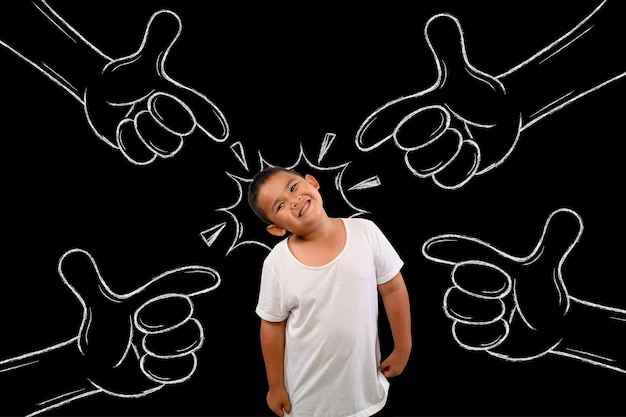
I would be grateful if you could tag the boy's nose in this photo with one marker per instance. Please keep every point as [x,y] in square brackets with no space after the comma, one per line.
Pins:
[296,201]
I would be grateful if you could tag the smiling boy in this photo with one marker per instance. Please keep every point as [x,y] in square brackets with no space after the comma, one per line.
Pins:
[318,303]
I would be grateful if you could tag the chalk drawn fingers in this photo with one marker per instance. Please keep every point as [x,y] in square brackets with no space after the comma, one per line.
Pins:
[176,342]
[461,169]
[168,336]
[481,280]
[169,371]
[533,316]
[435,156]
[157,131]
[482,337]
[207,116]
[126,83]
[452,249]
[158,140]
[188,280]
[475,304]
[169,328]
[136,88]
[478,127]
[131,143]
[171,336]
[134,343]
[465,308]
[436,150]
[421,128]
[163,30]
[379,126]
[165,123]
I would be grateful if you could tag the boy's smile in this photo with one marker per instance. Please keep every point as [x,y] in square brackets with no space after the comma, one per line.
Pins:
[305,206]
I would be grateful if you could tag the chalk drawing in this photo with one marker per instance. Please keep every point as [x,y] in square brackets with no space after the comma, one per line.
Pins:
[122,346]
[518,308]
[240,210]
[446,136]
[131,102]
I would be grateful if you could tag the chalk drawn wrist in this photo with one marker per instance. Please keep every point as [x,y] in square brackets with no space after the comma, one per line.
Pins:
[592,335]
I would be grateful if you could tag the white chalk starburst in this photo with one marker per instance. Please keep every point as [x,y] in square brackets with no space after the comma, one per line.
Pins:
[249,230]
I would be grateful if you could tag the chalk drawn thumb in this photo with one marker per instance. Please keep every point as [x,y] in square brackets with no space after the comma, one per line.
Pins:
[135,343]
[130,102]
[128,345]
[138,108]
[445,135]
[468,121]
[518,308]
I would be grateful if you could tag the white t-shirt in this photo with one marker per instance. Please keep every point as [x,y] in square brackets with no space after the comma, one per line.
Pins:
[332,350]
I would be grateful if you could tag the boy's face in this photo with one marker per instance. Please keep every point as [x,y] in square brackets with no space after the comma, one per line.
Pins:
[291,203]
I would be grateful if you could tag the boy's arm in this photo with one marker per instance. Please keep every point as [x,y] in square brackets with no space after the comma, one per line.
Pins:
[396,301]
[273,348]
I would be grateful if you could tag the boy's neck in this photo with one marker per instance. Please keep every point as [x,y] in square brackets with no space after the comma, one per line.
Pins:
[321,246]
[327,228]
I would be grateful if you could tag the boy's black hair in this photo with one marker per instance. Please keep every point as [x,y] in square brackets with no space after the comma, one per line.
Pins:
[259,179]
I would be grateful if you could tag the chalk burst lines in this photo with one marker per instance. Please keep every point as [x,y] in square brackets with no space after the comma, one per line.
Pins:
[240,214]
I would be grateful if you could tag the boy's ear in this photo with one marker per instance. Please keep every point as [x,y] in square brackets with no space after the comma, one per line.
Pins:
[276,230]
[311,180]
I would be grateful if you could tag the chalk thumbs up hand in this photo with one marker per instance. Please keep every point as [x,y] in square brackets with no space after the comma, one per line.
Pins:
[138,342]
[461,126]
[512,307]
[135,106]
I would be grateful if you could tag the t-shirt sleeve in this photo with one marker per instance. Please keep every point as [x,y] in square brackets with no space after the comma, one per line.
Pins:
[387,260]
[270,306]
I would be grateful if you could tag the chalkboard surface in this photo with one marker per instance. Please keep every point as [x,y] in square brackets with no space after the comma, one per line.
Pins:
[484,138]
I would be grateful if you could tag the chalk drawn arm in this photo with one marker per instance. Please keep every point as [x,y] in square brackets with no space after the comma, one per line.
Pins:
[518,308]
[594,335]
[128,345]
[468,121]
[583,60]
[130,102]
[38,381]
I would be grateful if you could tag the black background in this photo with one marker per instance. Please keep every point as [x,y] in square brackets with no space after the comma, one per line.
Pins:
[284,76]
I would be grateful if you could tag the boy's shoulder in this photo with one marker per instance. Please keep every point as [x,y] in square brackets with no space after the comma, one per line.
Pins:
[277,249]
[362,224]
[360,221]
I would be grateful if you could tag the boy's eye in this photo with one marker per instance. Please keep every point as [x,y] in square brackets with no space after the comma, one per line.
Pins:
[293,187]
[280,206]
